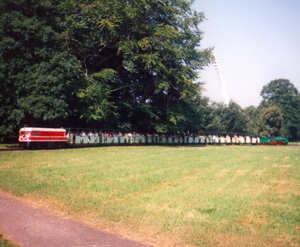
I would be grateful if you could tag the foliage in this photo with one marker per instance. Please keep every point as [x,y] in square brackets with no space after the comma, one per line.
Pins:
[269,121]
[105,63]
[279,91]
[227,119]
[251,116]
[6,243]
[38,78]
[283,94]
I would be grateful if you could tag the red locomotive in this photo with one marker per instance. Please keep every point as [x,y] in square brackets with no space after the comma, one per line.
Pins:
[42,137]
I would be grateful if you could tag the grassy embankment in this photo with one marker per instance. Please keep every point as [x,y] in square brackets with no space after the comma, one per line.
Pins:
[170,196]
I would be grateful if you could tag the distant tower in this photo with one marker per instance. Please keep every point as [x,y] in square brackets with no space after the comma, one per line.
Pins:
[217,68]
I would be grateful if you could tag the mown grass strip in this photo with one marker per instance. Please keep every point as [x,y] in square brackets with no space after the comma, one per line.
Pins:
[226,195]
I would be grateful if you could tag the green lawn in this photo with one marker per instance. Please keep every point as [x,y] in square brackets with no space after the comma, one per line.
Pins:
[170,196]
[6,243]
[9,146]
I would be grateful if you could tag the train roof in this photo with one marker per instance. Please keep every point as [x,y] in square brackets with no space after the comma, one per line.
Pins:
[42,129]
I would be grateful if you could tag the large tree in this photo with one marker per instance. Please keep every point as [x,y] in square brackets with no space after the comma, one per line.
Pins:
[269,121]
[283,94]
[39,79]
[113,63]
[150,48]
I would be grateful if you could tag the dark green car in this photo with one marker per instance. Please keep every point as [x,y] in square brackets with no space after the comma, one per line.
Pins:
[274,141]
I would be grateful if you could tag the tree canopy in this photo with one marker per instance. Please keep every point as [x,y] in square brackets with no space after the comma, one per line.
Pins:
[270,121]
[283,94]
[229,119]
[112,64]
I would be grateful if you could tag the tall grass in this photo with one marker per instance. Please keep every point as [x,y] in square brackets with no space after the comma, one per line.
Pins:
[171,196]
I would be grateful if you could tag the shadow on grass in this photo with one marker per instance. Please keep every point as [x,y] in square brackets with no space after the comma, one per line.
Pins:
[10,146]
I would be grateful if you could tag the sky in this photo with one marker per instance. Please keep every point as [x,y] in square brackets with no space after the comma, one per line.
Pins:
[255,41]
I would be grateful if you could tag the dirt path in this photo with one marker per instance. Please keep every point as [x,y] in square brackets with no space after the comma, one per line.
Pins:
[33,227]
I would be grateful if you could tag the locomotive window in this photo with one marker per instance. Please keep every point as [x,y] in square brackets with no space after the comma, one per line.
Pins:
[27,133]
[22,133]
[35,133]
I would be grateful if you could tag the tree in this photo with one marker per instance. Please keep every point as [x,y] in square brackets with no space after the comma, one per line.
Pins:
[227,119]
[279,91]
[103,63]
[251,115]
[269,121]
[151,48]
[283,94]
[38,78]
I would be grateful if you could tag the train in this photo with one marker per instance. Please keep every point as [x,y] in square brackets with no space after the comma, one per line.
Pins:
[33,137]
[274,141]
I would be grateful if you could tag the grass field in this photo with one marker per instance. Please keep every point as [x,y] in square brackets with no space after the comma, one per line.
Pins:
[169,196]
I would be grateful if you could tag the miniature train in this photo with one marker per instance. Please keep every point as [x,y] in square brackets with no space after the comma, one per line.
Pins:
[31,137]
[274,141]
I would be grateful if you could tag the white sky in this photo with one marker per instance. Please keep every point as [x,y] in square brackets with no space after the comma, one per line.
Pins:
[256,41]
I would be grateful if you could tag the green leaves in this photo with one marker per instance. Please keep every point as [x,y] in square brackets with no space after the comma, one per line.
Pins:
[270,121]
[37,76]
[283,94]
[227,119]
[97,104]
[122,63]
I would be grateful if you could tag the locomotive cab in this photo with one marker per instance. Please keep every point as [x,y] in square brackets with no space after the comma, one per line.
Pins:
[42,137]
